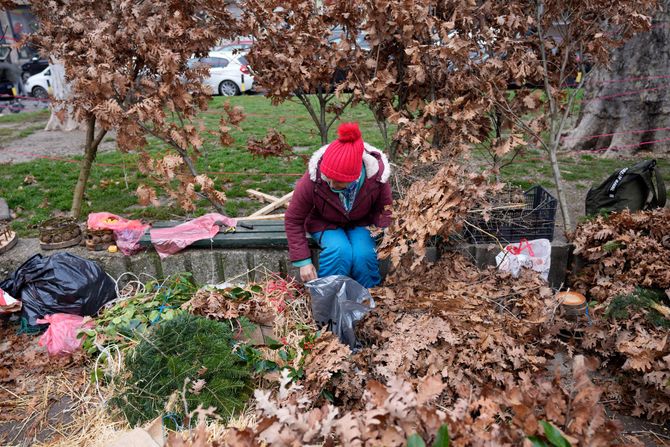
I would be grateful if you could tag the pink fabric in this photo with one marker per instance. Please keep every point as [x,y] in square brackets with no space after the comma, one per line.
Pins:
[127,233]
[168,241]
[61,336]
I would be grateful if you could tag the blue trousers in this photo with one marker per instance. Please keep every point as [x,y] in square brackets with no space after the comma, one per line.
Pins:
[350,253]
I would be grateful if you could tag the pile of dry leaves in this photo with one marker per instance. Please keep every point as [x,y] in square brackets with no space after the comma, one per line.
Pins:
[275,302]
[637,354]
[470,328]
[627,255]
[391,414]
[623,251]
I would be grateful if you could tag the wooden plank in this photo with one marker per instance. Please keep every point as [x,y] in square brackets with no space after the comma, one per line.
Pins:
[260,223]
[268,217]
[263,197]
[249,221]
[275,239]
[273,206]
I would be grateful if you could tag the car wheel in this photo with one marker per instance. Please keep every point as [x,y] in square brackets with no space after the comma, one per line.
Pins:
[228,88]
[39,92]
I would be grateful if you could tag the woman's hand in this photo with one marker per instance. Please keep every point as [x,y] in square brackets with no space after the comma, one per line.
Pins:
[308,272]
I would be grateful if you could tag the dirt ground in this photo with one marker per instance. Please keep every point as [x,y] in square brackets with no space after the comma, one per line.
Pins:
[36,391]
[46,144]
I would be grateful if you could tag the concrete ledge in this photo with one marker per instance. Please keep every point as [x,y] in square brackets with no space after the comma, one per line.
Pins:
[207,265]
[561,258]
[218,265]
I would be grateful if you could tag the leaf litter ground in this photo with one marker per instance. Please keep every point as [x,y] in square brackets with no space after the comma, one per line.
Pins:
[482,352]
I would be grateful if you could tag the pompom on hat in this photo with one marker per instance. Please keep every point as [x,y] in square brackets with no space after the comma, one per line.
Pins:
[343,159]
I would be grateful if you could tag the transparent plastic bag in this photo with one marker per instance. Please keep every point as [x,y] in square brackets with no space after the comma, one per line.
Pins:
[535,255]
[338,302]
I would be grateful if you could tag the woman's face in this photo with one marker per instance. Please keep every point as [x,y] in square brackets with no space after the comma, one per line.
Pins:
[338,185]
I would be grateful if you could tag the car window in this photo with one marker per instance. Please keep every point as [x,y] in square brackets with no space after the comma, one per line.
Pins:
[217,62]
[47,73]
[242,60]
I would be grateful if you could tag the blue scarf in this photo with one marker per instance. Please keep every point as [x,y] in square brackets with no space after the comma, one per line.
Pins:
[348,194]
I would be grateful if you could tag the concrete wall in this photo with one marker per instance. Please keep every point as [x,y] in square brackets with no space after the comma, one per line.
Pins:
[207,266]
[218,265]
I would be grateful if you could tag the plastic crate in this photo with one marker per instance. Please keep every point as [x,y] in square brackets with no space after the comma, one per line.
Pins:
[535,220]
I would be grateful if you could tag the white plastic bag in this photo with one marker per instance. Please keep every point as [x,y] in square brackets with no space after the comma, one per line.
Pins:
[535,254]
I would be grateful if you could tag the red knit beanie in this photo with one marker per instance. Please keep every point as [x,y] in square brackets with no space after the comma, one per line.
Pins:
[343,158]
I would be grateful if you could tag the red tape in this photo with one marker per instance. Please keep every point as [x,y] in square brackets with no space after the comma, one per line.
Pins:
[523,245]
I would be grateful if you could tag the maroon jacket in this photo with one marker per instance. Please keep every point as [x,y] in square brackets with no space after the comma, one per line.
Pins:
[315,207]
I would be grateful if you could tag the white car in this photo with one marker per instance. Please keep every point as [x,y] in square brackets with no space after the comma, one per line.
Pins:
[229,74]
[39,85]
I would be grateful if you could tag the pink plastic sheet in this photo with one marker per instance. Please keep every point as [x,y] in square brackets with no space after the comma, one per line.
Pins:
[61,336]
[127,233]
[169,241]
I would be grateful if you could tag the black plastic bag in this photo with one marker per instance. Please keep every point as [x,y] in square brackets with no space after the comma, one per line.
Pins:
[62,283]
[338,302]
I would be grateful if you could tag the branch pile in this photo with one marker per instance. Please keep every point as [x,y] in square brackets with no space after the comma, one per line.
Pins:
[628,270]
[623,251]
[432,207]
[276,302]
[469,327]
[638,354]
[392,414]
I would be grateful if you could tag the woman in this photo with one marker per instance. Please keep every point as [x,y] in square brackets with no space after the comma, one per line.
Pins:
[344,191]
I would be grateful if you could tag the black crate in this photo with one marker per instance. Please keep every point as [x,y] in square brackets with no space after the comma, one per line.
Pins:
[535,220]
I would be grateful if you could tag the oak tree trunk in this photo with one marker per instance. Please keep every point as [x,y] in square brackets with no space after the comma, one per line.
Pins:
[90,151]
[626,108]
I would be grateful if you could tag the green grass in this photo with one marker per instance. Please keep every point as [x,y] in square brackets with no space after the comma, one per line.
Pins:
[21,125]
[581,170]
[114,177]
[40,115]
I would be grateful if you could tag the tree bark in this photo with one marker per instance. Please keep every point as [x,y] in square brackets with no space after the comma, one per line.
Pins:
[626,108]
[305,100]
[558,182]
[90,151]
[323,127]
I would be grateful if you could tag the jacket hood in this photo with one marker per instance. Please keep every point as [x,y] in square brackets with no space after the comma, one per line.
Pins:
[373,160]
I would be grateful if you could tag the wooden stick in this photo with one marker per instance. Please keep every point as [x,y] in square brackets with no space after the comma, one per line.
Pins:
[265,217]
[262,196]
[273,206]
[502,207]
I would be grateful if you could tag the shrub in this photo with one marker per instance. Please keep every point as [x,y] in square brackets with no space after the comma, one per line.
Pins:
[187,347]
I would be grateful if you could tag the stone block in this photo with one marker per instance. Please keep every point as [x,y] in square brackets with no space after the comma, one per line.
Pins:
[22,251]
[205,266]
[113,264]
[4,210]
[235,265]
[176,263]
[561,261]
[268,261]
[146,263]
[431,254]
